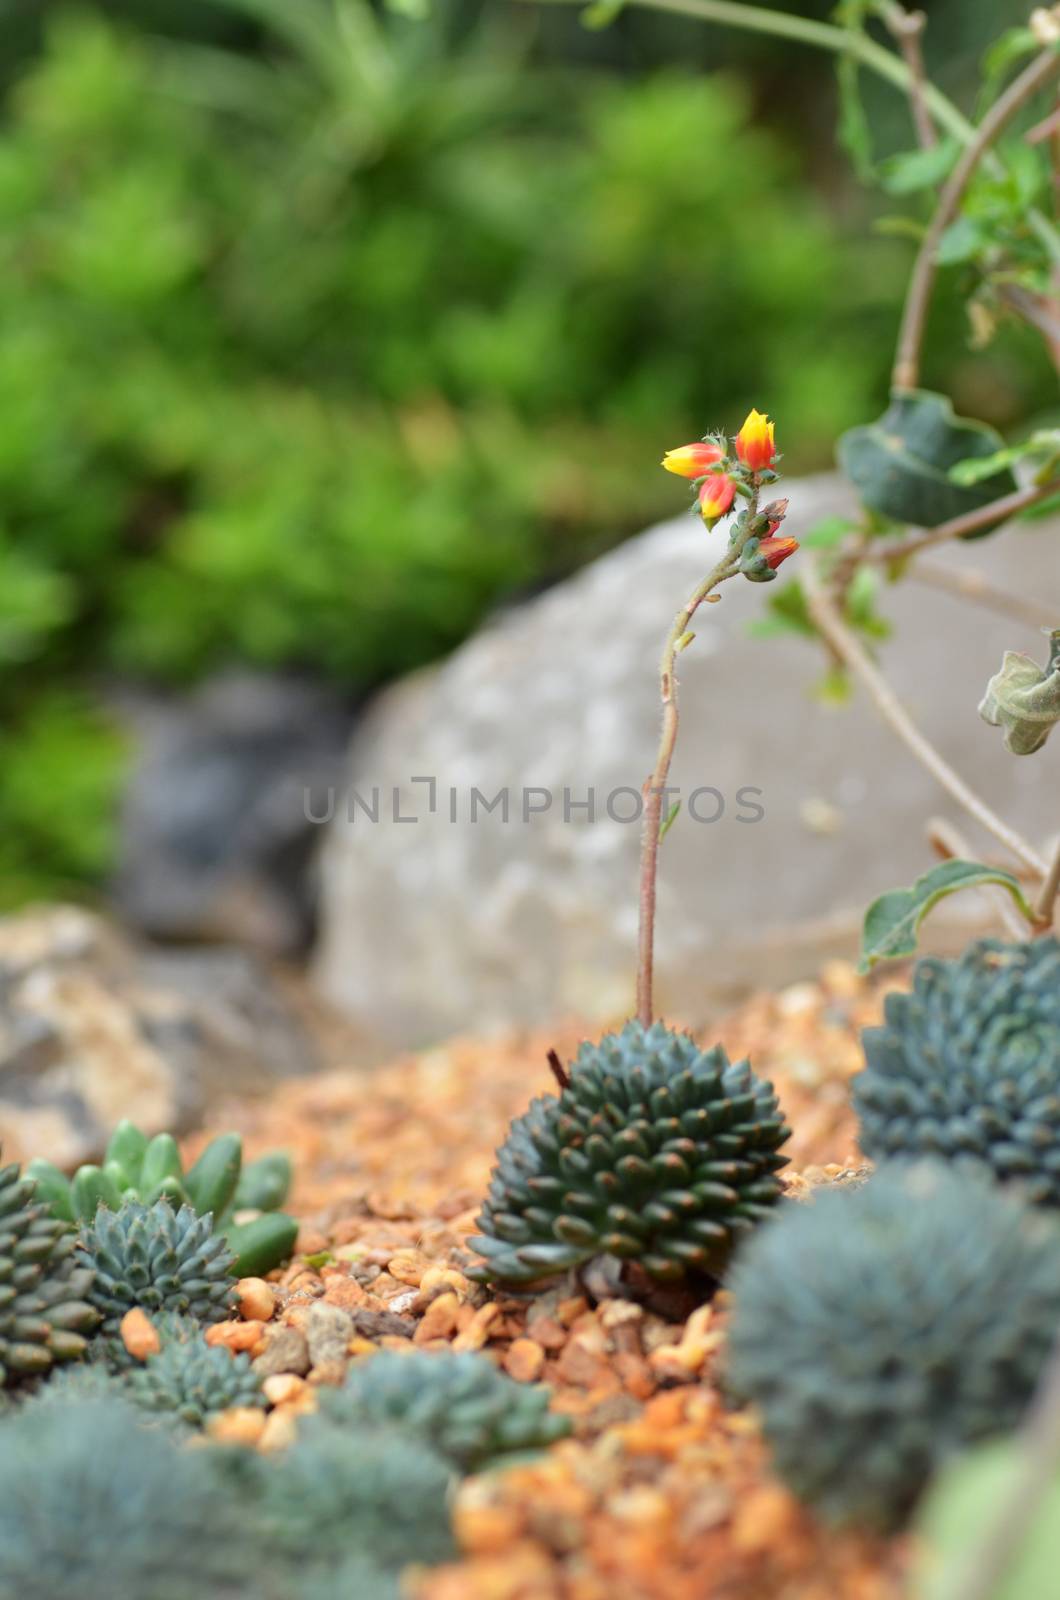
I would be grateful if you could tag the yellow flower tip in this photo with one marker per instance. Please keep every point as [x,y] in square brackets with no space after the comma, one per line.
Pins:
[692,460]
[755,444]
[716,497]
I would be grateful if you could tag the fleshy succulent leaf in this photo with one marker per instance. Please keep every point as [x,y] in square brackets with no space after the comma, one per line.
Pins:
[967,1066]
[458,1403]
[627,1161]
[45,1311]
[157,1259]
[878,1330]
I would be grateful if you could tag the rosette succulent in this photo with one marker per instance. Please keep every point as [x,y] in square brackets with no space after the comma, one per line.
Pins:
[881,1329]
[458,1403]
[655,1151]
[192,1381]
[373,1493]
[218,1185]
[158,1259]
[94,1503]
[45,1310]
[967,1066]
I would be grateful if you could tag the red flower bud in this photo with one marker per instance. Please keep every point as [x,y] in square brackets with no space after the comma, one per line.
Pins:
[754,443]
[776,550]
[692,460]
[716,496]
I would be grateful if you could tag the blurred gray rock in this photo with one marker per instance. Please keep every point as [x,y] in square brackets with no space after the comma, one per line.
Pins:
[214,842]
[434,926]
[94,1028]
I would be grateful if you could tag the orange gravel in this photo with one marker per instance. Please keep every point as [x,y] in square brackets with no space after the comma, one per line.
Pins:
[662,1493]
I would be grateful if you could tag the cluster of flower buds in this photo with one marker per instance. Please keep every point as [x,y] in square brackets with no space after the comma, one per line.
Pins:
[721,473]
[763,549]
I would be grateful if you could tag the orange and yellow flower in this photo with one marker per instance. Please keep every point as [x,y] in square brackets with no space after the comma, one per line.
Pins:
[693,460]
[777,550]
[755,445]
[716,497]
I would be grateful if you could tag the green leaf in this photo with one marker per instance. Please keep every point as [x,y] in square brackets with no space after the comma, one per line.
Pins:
[602,14]
[834,688]
[830,531]
[53,1187]
[1024,699]
[962,1503]
[893,920]
[855,130]
[901,464]
[669,821]
[860,607]
[1044,444]
[899,228]
[913,170]
[1010,48]
[962,241]
[787,613]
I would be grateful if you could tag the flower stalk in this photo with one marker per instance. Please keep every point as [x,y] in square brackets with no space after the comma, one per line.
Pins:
[756,551]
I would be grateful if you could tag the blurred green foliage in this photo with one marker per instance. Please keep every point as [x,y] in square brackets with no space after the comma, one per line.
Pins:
[314,352]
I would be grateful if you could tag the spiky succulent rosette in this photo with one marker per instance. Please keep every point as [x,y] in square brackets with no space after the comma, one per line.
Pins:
[967,1066]
[459,1403]
[192,1381]
[94,1504]
[656,1151]
[158,1259]
[45,1314]
[879,1330]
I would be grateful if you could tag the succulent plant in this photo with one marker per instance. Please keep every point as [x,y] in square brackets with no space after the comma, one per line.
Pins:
[355,1578]
[192,1381]
[45,1314]
[655,1151]
[219,1185]
[967,1066]
[158,1259]
[94,1503]
[880,1329]
[458,1403]
[341,1492]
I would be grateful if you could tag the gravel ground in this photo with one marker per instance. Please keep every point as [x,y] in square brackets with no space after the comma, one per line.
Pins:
[661,1493]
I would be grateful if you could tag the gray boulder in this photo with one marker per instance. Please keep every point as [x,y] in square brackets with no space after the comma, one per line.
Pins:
[799,814]
[214,843]
[94,1028]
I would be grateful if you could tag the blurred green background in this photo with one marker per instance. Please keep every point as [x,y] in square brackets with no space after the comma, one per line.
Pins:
[325,331]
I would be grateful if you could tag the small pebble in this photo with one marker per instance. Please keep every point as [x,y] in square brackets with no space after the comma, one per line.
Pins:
[280,1430]
[256,1299]
[328,1332]
[440,1319]
[285,1350]
[476,1333]
[243,1425]
[524,1360]
[283,1388]
[139,1335]
[235,1336]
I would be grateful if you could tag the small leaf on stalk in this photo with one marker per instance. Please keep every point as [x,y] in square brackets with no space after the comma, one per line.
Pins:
[893,920]
[913,170]
[1024,699]
[1044,444]
[834,688]
[901,464]
[601,14]
[828,532]
[669,821]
